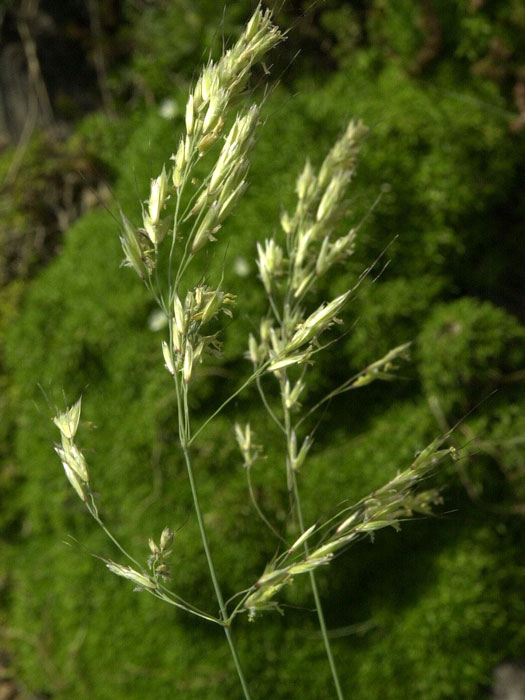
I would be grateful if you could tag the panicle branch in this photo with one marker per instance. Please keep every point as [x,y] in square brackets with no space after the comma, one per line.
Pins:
[388,506]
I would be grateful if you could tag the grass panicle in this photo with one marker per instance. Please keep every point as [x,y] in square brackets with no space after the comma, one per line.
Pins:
[184,214]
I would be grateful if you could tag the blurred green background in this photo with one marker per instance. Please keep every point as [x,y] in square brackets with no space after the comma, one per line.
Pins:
[93,93]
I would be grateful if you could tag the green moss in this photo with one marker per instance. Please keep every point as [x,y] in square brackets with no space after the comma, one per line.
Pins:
[465,349]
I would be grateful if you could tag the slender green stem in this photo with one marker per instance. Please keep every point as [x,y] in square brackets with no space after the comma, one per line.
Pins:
[257,506]
[288,312]
[317,599]
[274,308]
[211,567]
[292,481]
[269,409]
[167,599]
[238,608]
[115,541]
[250,379]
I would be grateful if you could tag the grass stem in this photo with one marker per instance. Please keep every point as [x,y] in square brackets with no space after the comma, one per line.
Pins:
[213,574]
[292,481]
[317,598]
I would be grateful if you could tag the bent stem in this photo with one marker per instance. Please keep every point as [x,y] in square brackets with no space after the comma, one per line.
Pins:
[184,440]
[292,481]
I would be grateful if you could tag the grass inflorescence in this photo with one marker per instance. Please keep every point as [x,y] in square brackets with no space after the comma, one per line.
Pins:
[182,217]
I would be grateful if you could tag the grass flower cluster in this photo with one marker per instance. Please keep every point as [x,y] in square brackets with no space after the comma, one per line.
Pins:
[182,216]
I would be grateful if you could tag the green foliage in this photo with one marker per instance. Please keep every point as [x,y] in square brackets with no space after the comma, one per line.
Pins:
[27,207]
[398,28]
[465,349]
[170,40]
[456,606]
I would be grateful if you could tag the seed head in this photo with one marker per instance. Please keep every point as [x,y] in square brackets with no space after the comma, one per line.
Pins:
[190,115]
[180,163]
[298,459]
[331,199]
[269,262]
[317,322]
[206,228]
[135,255]
[343,154]
[305,535]
[291,396]
[157,198]
[188,363]
[306,183]
[296,359]
[76,482]
[67,422]
[167,357]
[180,317]
[253,349]
[166,539]
[286,222]
[127,572]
